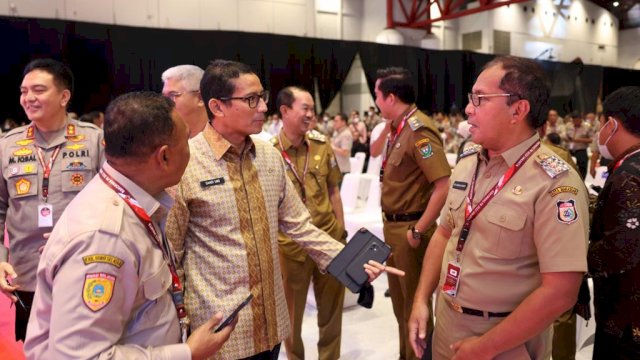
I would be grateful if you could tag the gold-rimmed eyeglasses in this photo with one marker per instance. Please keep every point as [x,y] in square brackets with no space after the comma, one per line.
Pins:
[173,95]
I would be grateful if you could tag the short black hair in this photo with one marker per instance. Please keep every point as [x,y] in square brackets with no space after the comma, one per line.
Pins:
[90,117]
[217,83]
[624,106]
[396,81]
[526,80]
[136,124]
[344,117]
[554,138]
[287,97]
[62,75]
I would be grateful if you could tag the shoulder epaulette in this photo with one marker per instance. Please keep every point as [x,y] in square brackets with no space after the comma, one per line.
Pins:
[415,123]
[470,150]
[551,164]
[85,124]
[14,131]
[317,136]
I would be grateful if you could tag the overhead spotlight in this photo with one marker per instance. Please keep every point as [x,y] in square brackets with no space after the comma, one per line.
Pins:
[616,4]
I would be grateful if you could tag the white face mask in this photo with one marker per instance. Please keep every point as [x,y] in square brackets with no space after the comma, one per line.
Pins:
[602,148]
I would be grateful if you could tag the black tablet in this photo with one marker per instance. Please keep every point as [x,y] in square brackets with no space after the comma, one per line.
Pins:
[348,265]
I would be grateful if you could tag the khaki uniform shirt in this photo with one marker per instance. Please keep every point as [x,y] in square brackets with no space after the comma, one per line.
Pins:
[535,224]
[103,283]
[80,157]
[323,173]
[343,139]
[224,228]
[414,161]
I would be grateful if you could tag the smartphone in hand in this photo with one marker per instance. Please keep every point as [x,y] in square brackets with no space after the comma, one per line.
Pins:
[233,315]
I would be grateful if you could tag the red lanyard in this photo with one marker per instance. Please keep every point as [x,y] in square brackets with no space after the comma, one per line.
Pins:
[392,140]
[47,169]
[145,219]
[617,165]
[471,212]
[287,159]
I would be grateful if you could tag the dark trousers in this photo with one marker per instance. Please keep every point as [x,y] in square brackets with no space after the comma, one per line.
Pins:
[22,314]
[582,160]
[609,347]
[266,355]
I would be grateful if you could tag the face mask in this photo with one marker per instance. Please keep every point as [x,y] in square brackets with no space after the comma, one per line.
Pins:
[602,148]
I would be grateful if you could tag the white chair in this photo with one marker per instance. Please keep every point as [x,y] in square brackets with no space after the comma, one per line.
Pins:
[357,163]
[375,163]
[349,191]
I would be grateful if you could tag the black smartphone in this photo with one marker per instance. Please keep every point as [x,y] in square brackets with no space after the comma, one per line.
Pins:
[235,312]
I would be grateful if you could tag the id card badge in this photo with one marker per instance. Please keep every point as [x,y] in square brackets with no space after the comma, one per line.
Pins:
[45,215]
[452,279]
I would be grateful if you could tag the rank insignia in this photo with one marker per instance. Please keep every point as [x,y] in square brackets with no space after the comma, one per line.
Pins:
[77,179]
[24,142]
[552,165]
[473,149]
[14,170]
[29,169]
[23,151]
[567,212]
[316,135]
[415,123]
[23,186]
[76,165]
[71,130]
[76,138]
[75,146]
[97,290]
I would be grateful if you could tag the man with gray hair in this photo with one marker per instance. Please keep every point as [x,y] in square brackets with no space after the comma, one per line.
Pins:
[182,85]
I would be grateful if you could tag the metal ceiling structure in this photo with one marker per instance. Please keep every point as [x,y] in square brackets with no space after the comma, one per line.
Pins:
[416,14]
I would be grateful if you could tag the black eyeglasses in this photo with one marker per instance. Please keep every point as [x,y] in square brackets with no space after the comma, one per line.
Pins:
[251,100]
[476,99]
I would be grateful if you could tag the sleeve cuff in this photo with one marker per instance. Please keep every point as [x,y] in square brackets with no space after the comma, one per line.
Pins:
[178,352]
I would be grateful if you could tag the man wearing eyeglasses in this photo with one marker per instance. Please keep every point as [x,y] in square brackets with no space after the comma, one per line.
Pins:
[510,251]
[182,85]
[232,200]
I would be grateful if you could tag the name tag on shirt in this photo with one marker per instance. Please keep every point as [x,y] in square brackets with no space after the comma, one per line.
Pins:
[45,215]
[459,185]
[211,182]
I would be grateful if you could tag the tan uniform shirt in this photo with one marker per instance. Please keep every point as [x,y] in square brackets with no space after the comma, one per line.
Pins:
[103,284]
[323,173]
[535,224]
[415,160]
[343,139]
[79,159]
[224,228]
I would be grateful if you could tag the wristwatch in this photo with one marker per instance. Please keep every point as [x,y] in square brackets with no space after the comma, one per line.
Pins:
[417,235]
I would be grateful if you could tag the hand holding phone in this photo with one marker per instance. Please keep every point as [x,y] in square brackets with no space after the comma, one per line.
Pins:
[233,315]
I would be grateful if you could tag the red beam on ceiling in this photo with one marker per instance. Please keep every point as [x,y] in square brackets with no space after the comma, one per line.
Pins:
[420,18]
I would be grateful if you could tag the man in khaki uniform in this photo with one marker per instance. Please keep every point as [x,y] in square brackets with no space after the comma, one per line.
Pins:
[106,279]
[510,251]
[579,135]
[44,165]
[312,168]
[414,187]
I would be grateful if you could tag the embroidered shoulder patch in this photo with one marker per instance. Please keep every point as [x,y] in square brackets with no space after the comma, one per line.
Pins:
[97,290]
[567,212]
[551,164]
[102,258]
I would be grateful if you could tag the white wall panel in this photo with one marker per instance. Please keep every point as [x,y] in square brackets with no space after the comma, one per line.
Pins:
[327,26]
[219,15]
[290,19]
[255,16]
[179,14]
[82,10]
[53,9]
[136,13]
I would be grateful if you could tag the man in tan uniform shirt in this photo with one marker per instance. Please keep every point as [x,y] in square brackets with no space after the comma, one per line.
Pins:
[525,253]
[29,204]
[414,187]
[312,168]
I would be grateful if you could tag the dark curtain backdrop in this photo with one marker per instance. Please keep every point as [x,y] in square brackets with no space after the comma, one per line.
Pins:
[109,60]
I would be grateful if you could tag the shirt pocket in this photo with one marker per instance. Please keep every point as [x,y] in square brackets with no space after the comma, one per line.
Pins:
[76,173]
[154,288]
[508,229]
[23,180]
[455,204]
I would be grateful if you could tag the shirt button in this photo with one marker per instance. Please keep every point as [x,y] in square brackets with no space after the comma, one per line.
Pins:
[487,175]
[116,203]
[503,218]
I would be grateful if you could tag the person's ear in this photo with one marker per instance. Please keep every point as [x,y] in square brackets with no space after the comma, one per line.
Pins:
[161,155]
[215,106]
[66,96]
[520,109]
